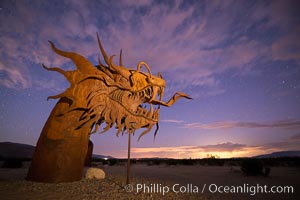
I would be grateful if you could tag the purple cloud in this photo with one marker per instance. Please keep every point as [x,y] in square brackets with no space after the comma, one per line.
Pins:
[172,121]
[286,124]
[227,146]
[287,47]
[295,137]
[192,43]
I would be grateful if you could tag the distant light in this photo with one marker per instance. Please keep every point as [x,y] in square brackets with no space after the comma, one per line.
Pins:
[105,158]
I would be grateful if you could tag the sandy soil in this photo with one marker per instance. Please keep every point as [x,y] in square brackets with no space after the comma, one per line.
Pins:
[153,182]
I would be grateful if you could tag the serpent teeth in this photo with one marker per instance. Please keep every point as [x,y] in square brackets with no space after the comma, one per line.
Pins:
[150,113]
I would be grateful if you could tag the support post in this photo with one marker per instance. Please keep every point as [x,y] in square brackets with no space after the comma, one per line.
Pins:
[128,159]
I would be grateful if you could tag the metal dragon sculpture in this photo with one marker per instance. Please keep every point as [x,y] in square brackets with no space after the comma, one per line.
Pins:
[107,94]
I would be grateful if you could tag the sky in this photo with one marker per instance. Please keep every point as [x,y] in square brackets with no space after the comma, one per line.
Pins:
[238,60]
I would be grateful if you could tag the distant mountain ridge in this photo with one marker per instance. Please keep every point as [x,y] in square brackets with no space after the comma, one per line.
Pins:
[280,154]
[18,150]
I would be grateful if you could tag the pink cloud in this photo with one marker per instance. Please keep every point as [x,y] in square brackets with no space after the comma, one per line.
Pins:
[287,47]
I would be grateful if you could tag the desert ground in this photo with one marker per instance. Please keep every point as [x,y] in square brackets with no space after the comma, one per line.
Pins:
[155,182]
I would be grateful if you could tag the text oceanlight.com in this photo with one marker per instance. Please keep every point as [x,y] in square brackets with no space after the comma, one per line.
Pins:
[211,188]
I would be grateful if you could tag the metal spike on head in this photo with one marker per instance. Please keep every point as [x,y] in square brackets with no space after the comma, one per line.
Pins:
[120,61]
[102,50]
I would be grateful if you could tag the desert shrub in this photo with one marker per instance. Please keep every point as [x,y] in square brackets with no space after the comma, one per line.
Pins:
[171,162]
[252,167]
[153,162]
[150,163]
[187,162]
[271,162]
[214,162]
[12,163]
[105,162]
[267,171]
[220,162]
[202,162]
[156,162]
[95,164]
[113,162]
[231,163]
[132,161]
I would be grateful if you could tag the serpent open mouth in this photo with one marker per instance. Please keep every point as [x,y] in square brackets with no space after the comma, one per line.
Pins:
[137,103]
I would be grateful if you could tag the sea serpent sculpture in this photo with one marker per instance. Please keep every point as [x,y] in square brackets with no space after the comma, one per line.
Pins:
[107,94]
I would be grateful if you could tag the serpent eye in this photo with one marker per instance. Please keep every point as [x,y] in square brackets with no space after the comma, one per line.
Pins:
[150,79]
